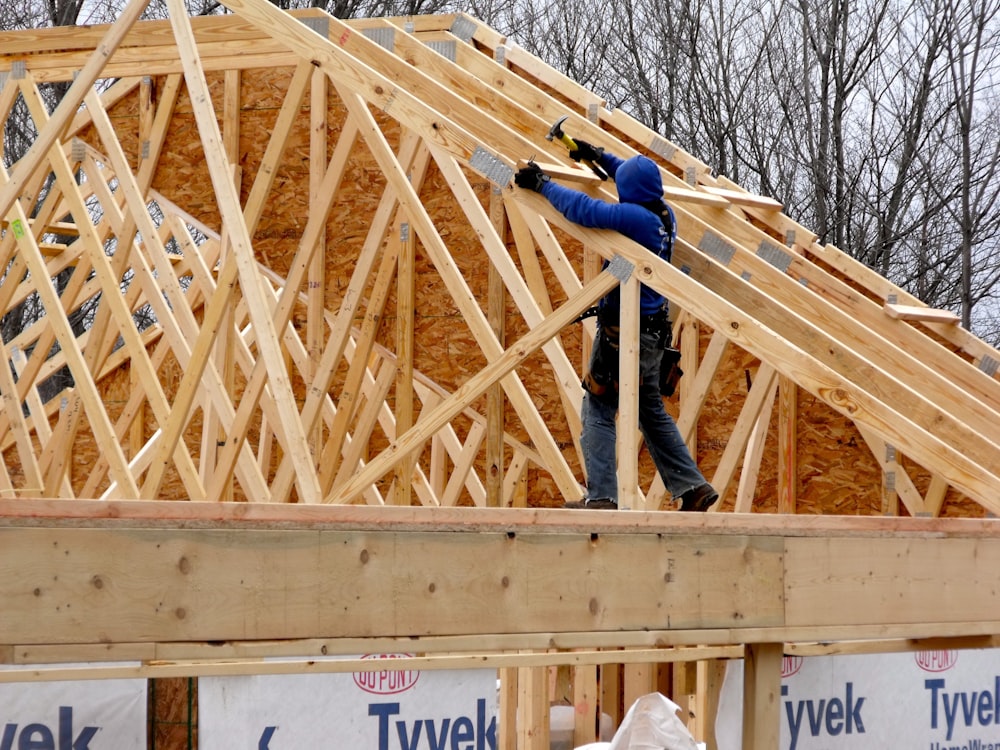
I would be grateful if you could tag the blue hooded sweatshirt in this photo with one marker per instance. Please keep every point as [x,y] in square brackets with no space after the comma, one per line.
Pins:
[638,182]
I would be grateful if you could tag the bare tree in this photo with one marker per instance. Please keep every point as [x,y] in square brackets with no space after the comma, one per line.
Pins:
[973,50]
[890,201]
[19,134]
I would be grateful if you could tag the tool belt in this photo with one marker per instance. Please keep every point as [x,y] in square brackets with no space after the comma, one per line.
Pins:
[670,371]
[601,379]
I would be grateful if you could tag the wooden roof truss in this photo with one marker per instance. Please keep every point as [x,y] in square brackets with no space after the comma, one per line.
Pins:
[302,400]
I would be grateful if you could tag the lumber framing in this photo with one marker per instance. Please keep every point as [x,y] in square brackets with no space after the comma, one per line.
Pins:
[905,377]
[109,583]
[867,356]
[153,589]
[289,299]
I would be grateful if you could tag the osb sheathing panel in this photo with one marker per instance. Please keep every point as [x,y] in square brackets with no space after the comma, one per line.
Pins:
[173,713]
[115,391]
[836,470]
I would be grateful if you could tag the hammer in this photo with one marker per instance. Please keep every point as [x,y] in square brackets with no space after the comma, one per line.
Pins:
[556,131]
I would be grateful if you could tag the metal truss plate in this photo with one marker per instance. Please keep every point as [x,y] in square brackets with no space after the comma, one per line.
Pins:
[718,248]
[775,255]
[463,28]
[320,25]
[384,37]
[78,151]
[890,481]
[446,48]
[663,147]
[621,268]
[491,167]
[988,365]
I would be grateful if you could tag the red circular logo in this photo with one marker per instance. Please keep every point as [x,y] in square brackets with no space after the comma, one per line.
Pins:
[790,665]
[386,681]
[936,661]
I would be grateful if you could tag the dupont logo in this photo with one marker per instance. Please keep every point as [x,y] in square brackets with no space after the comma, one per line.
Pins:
[790,665]
[936,661]
[386,681]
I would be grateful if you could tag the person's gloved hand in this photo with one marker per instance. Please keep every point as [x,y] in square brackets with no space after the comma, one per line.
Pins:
[531,177]
[585,152]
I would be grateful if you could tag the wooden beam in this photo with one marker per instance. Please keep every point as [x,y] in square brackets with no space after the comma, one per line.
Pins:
[315,227]
[496,313]
[414,158]
[755,450]
[749,423]
[295,443]
[39,417]
[586,705]
[923,314]
[875,363]
[348,397]
[507,709]
[154,668]
[77,361]
[319,105]
[460,293]
[788,474]
[637,680]
[762,696]
[884,289]
[532,709]
[528,304]
[200,373]
[627,433]
[376,391]
[83,82]
[894,336]
[735,578]
[896,483]
[498,370]
[405,347]
[120,313]
[743,198]
[138,217]
[14,409]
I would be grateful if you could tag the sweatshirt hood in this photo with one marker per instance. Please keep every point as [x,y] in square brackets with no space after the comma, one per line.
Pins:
[638,180]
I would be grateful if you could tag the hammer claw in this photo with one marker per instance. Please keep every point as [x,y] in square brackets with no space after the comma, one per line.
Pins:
[556,131]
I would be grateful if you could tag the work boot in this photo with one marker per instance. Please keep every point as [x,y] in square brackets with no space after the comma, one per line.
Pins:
[600,503]
[699,499]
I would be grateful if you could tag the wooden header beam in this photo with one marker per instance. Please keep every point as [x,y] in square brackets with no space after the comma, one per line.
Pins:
[97,574]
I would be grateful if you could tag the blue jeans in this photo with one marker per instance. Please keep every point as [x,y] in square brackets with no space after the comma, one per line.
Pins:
[673,460]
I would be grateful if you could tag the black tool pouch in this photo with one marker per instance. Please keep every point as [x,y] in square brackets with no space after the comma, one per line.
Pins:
[604,363]
[602,380]
[670,361]
[670,371]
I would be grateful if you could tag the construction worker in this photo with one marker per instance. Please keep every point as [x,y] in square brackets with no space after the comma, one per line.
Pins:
[641,215]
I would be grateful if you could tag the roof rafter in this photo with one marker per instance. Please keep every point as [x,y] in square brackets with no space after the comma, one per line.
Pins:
[281,392]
